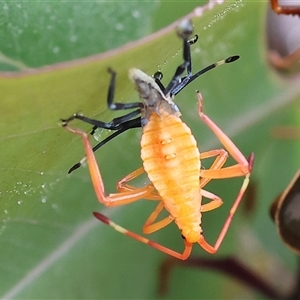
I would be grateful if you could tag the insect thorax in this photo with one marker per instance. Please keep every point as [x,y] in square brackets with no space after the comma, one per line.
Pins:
[153,98]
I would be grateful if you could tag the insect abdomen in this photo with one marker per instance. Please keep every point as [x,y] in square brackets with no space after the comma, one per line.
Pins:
[171,160]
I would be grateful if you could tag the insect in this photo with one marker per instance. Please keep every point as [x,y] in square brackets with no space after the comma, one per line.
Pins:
[171,158]
[285,7]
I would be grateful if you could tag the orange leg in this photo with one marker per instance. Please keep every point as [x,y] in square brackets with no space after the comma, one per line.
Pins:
[122,185]
[150,227]
[214,249]
[221,157]
[112,199]
[220,160]
[215,203]
[242,168]
[184,255]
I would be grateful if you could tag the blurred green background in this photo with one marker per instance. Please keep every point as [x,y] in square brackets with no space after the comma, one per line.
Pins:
[51,247]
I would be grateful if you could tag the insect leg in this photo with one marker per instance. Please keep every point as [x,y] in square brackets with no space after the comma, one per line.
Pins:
[221,157]
[112,106]
[187,58]
[114,124]
[186,31]
[243,166]
[184,255]
[120,124]
[111,93]
[158,77]
[213,249]
[111,199]
[135,123]
[150,226]
[186,80]
[215,203]
[122,185]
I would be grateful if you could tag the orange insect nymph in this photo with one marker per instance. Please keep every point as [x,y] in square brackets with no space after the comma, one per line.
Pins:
[169,150]
[171,158]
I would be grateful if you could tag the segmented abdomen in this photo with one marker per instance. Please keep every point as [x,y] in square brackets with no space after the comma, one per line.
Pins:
[171,160]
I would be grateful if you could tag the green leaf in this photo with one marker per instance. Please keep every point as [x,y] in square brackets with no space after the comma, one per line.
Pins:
[51,246]
[39,33]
